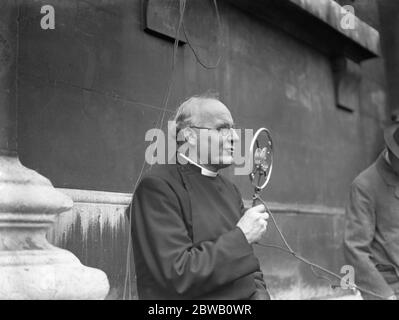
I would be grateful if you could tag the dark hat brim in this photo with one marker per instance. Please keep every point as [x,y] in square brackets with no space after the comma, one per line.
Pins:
[390,140]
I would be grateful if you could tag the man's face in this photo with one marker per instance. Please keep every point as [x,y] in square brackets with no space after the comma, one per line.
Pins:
[215,147]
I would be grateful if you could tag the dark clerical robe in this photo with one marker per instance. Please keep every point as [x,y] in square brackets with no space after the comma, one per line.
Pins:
[185,241]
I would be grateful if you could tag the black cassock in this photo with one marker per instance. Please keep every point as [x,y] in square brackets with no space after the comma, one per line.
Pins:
[185,241]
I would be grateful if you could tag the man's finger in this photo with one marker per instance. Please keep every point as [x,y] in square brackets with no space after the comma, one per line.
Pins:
[259,208]
[262,216]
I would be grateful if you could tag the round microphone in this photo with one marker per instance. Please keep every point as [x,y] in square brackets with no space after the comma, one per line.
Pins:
[261,160]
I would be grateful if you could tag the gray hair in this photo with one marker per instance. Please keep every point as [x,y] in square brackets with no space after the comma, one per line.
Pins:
[186,113]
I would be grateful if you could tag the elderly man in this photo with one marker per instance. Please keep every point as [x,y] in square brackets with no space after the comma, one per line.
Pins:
[372,223]
[191,235]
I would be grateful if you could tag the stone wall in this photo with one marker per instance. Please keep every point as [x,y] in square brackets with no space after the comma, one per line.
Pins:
[91,88]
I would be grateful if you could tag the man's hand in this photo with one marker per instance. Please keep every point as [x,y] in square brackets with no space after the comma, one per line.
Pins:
[253,223]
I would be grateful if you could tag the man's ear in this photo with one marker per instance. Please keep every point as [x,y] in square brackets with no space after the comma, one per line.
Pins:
[190,136]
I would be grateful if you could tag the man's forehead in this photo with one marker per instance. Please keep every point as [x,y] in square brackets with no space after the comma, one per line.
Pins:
[213,112]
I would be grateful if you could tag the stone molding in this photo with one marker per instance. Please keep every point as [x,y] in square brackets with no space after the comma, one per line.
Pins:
[318,23]
[116,198]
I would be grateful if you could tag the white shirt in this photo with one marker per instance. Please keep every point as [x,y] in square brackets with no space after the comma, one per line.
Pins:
[386,156]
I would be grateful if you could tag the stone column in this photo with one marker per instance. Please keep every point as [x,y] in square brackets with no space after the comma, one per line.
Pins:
[30,267]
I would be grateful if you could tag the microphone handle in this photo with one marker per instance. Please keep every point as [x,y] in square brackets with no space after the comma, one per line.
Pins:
[254,201]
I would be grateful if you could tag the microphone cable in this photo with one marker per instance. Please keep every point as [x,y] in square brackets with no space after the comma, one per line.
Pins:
[312,265]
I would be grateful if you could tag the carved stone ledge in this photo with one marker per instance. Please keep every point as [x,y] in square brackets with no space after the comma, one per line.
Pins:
[317,23]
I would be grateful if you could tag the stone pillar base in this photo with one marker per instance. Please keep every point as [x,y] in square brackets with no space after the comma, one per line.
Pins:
[30,267]
[49,274]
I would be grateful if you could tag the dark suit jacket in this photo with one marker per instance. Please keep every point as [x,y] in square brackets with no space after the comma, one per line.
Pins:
[372,228]
[181,250]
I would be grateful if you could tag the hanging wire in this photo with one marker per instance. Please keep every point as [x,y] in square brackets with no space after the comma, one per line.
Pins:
[220,37]
[312,265]
[159,124]
[321,277]
[182,8]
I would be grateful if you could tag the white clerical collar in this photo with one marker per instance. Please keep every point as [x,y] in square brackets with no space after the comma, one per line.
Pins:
[386,156]
[204,171]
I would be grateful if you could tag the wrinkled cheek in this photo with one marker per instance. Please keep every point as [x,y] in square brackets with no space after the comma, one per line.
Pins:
[215,149]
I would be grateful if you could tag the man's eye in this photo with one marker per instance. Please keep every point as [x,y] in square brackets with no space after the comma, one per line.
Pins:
[225,127]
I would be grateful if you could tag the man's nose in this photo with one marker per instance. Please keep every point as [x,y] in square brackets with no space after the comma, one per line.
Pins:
[234,136]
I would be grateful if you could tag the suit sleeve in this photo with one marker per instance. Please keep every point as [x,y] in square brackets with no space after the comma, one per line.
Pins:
[176,263]
[359,233]
[261,289]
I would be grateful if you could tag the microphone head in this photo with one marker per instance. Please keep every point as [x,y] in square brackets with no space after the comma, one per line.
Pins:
[261,158]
